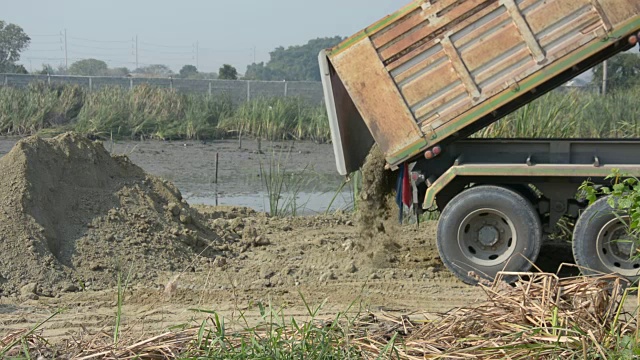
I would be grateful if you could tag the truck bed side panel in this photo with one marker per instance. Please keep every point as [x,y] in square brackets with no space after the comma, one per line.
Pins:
[379,101]
[435,67]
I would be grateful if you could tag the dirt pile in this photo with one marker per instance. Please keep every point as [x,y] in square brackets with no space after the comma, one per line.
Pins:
[72,217]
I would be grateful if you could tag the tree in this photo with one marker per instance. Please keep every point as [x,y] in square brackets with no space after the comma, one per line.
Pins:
[13,41]
[261,71]
[205,76]
[19,69]
[623,72]
[47,69]
[89,67]
[156,70]
[296,63]
[16,69]
[121,71]
[228,72]
[188,71]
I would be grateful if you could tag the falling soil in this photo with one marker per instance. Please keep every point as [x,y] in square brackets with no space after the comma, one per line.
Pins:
[72,216]
[376,209]
[376,198]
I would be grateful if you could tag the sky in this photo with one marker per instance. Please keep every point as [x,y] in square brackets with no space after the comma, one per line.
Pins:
[225,31]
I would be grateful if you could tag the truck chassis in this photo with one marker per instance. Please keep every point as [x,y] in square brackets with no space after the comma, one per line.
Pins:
[499,197]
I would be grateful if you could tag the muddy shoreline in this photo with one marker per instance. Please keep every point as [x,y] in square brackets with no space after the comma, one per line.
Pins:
[190,165]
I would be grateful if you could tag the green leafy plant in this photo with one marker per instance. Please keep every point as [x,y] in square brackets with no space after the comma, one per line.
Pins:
[623,197]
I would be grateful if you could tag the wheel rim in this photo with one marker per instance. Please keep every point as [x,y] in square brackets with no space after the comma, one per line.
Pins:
[616,250]
[487,237]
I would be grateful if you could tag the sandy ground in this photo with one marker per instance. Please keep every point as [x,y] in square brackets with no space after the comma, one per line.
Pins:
[306,258]
[282,262]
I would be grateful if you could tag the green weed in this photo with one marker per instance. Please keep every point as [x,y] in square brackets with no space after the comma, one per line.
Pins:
[283,186]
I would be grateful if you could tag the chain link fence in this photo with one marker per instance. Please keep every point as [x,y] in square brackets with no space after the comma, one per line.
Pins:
[238,90]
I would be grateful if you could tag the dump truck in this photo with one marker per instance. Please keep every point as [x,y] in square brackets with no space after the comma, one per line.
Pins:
[421,81]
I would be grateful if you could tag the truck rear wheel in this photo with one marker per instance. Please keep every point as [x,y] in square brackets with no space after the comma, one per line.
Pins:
[601,243]
[488,229]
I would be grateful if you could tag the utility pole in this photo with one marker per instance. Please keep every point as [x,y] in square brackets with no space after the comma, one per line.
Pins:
[197,55]
[605,77]
[254,54]
[137,58]
[66,53]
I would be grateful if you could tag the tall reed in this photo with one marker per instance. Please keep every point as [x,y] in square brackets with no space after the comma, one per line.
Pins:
[26,111]
[150,112]
[573,114]
[279,119]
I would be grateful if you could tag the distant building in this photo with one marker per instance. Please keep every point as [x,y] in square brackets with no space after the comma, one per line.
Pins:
[577,84]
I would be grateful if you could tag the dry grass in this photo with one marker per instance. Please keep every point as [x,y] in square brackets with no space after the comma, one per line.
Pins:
[541,316]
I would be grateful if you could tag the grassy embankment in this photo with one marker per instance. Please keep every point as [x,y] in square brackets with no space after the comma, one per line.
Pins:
[153,113]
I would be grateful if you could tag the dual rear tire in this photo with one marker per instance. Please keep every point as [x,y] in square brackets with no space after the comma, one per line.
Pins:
[490,229]
[601,244]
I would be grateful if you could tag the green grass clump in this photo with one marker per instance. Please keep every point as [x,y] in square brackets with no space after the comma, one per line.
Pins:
[275,337]
[155,113]
[283,187]
[26,111]
[573,114]
[279,119]
[148,112]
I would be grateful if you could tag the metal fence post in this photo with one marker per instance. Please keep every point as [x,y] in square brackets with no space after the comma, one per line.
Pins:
[248,90]
[6,81]
[210,89]
[170,83]
[130,84]
[90,84]
[49,79]
[286,88]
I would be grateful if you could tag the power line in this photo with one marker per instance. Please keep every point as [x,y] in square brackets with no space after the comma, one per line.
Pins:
[45,42]
[165,46]
[156,59]
[98,55]
[151,53]
[222,50]
[45,50]
[43,58]
[100,41]
[167,52]
[97,47]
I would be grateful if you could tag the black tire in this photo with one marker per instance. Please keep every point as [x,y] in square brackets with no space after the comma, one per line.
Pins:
[488,229]
[600,244]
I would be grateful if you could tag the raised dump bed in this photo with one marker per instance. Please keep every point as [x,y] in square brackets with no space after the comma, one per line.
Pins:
[438,70]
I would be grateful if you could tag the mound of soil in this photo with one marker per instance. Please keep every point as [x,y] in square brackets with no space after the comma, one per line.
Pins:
[72,216]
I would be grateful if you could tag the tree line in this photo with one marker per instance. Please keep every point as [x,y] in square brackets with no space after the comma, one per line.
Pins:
[295,63]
